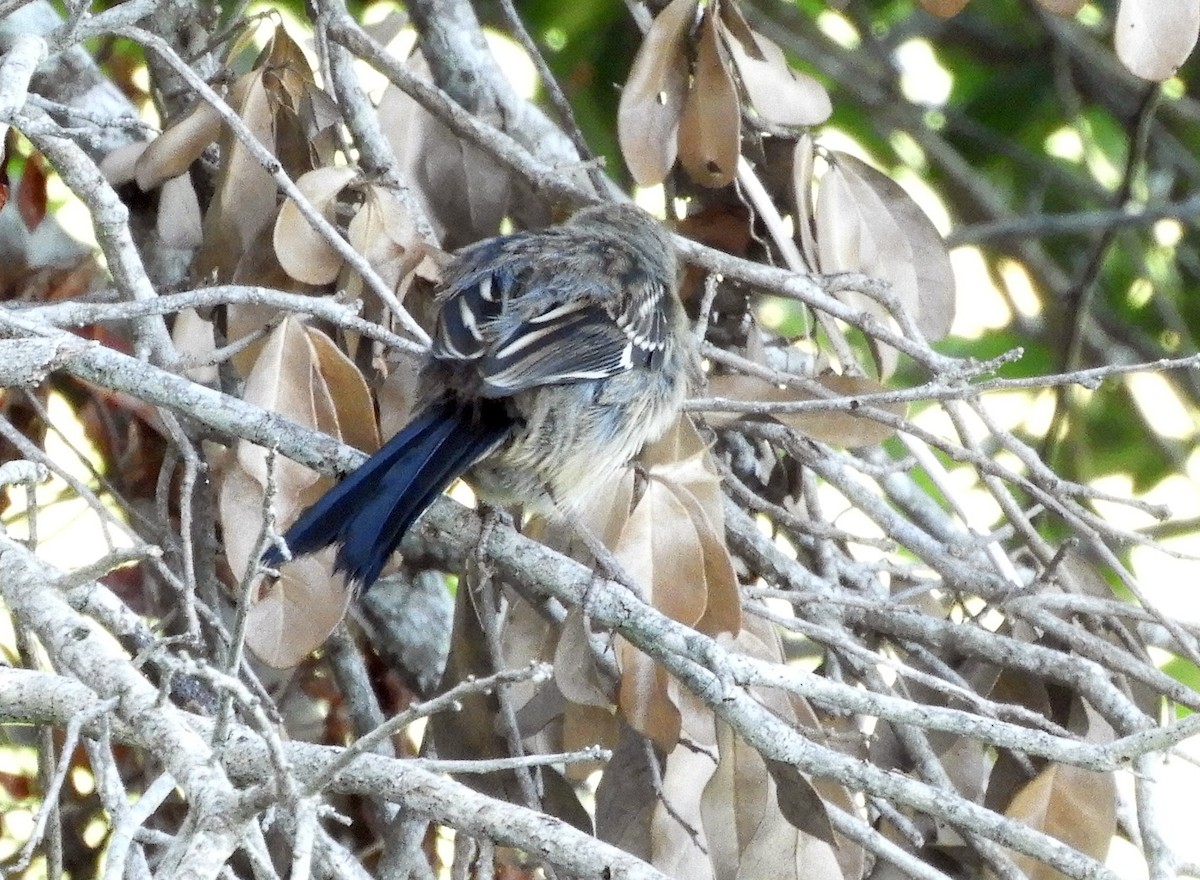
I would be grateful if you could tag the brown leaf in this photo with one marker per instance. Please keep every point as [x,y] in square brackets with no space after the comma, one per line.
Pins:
[799,802]
[931,277]
[31,195]
[1076,806]
[838,427]
[118,166]
[383,232]
[299,610]
[642,697]
[678,844]
[747,834]
[353,407]
[179,222]
[575,671]
[649,111]
[710,129]
[245,198]
[803,160]
[779,95]
[302,251]
[1154,38]
[681,460]
[625,796]
[660,550]
[173,152]
[282,381]
[193,337]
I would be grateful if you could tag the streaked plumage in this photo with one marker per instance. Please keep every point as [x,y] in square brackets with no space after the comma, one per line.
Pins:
[557,354]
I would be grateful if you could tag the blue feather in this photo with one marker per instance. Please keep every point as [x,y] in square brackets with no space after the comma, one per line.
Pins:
[367,513]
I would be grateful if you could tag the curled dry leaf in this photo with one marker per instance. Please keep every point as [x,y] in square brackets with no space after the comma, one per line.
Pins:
[301,374]
[710,129]
[1153,37]
[383,232]
[767,821]
[353,410]
[575,671]
[298,612]
[661,551]
[463,190]
[803,162]
[302,251]
[838,427]
[244,201]
[682,460]
[626,796]
[649,112]
[282,381]
[679,841]
[119,166]
[194,338]
[179,222]
[778,94]
[301,608]
[934,284]
[173,152]
[866,223]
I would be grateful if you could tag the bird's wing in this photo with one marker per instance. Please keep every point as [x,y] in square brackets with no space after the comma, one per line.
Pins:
[530,328]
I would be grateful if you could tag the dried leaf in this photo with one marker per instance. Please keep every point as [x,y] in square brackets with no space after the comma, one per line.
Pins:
[464,191]
[1153,38]
[245,198]
[681,461]
[353,407]
[625,796]
[31,195]
[1076,806]
[649,113]
[642,697]
[282,381]
[302,251]
[118,166]
[779,95]
[575,672]
[943,8]
[839,427]
[799,802]
[299,610]
[173,152]
[193,337]
[584,726]
[710,129]
[179,222]
[803,160]
[678,844]
[929,259]
[383,232]
[747,834]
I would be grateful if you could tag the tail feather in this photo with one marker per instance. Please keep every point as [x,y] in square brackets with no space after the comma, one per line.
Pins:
[368,513]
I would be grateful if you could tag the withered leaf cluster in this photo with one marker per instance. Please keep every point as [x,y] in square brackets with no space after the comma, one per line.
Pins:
[690,83]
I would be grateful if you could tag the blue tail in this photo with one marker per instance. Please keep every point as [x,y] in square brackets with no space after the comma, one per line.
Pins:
[368,512]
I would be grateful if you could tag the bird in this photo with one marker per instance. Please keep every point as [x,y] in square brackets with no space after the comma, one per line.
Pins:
[556,355]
